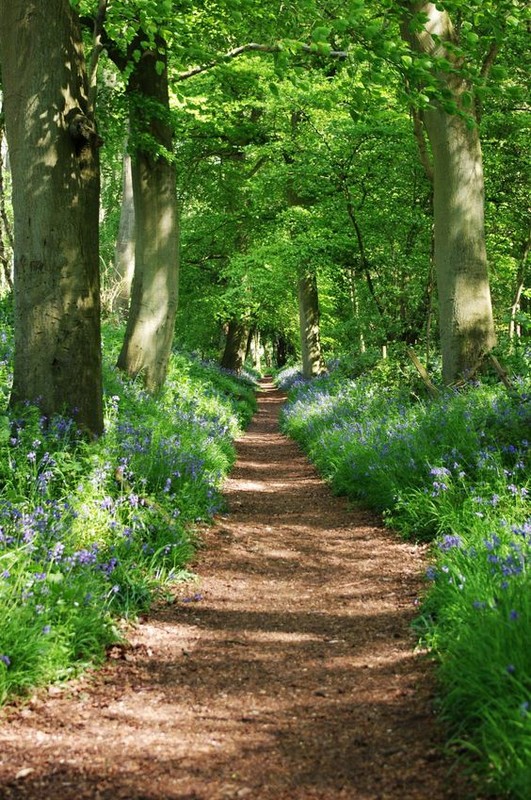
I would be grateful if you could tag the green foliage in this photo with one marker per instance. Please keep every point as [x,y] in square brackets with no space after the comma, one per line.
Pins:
[91,532]
[477,618]
[367,222]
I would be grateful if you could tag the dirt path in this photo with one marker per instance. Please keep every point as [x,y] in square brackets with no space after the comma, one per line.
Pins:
[287,673]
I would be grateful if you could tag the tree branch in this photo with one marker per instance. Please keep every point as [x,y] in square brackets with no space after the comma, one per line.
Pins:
[254,47]
[418,130]
[97,47]
[488,63]
[489,59]
[259,164]
[361,245]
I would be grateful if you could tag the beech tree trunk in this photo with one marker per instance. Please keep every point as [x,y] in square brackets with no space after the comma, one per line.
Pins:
[124,256]
[312,361]
[6,239]
[515,328]
[307,293]
[53,149]
[149,334]
[465,310]
[235,345]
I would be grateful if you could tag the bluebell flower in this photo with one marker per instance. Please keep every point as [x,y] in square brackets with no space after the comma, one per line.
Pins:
[449,542]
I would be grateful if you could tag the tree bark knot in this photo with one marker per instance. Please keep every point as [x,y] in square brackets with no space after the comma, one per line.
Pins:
[82,131]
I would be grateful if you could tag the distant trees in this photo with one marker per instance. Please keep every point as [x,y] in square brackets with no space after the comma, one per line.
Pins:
[318,242]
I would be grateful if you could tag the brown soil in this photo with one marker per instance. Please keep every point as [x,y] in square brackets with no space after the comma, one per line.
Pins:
[287,672]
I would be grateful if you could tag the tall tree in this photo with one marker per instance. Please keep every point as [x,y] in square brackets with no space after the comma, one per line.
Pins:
[124,254]
[53,147]
[6,236]
[307,291]
[150,323]
[465,309]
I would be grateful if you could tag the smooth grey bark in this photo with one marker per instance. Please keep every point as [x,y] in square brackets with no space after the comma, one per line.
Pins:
[124,255]
[308,299]
[150,324]
[256,347]
[53,149]
[6,239]
[465,309]
[515,328]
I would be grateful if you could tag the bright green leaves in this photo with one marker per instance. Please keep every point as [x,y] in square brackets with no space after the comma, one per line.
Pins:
[321,34]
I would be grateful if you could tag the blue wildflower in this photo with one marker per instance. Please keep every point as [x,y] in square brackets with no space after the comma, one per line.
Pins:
[449,542]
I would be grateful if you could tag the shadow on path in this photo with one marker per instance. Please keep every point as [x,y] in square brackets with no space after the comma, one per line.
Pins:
[287,673]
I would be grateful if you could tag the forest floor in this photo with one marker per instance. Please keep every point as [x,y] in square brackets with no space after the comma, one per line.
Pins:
[288,671]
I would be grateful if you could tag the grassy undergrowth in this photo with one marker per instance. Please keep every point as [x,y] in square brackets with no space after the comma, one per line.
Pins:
[453,472]
[93,532]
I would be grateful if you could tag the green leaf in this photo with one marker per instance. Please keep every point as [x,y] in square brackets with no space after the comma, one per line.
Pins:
[5,429]
[55,577]
[320,34]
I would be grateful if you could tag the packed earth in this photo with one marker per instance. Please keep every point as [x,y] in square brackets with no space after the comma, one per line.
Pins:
[287,670]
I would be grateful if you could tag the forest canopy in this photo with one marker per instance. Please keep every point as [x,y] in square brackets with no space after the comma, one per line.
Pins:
[288,181]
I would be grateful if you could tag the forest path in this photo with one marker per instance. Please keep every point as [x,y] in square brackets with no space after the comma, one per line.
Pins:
[286,673]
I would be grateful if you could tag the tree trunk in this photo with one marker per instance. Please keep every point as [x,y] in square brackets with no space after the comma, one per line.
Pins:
[235,345]
[465,310]
[53,149]
[312,362]
[355,306]
[149,334]
[257,356]
[307,293]
[514,326]
[6,239]
[124,255]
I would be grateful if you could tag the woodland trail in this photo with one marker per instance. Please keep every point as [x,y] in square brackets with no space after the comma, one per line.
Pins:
[287,672]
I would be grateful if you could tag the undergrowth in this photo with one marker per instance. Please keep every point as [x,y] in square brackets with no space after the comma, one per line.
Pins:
[454,472]
[92,532]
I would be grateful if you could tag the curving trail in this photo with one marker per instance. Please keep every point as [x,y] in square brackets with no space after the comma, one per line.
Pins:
[286,673]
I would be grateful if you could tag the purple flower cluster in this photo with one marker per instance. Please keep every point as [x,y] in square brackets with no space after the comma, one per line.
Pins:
[449,542]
